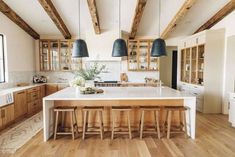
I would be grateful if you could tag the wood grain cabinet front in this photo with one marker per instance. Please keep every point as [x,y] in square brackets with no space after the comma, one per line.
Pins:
[6,115]
[20,101]
[51,88]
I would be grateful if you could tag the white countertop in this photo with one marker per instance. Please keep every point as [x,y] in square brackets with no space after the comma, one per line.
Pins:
[121,93]
[15,89]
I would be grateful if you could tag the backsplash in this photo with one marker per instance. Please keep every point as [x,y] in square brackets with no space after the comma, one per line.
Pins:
[15,77]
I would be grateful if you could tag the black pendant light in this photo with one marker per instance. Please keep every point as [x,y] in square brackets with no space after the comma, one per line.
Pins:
[79,46]
[119,45]
[159,45]
[80,49]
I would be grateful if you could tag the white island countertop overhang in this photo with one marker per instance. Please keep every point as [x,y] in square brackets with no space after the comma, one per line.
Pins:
[120,96]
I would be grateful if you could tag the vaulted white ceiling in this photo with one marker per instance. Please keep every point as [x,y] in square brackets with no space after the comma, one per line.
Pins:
[33,13]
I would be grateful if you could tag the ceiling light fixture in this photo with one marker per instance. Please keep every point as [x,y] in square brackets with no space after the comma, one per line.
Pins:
[159,45]
[119,45]
[79,46]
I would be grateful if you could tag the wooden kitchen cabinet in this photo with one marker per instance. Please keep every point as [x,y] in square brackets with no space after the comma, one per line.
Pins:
[139,58]
[34,100]
[51,88]
[20,101]
[56,55]
[6,115]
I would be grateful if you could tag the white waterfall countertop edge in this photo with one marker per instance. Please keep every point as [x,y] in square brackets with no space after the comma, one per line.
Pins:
[121,93]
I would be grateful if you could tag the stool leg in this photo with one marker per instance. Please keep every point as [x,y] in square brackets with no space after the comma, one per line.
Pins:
[113,117]
[185,124]
[164,123]
[156,115]
[56,124]
[169,124]
[84,125]
[142,124]
[101,127]
[129,124]
[76,124]
[72,124]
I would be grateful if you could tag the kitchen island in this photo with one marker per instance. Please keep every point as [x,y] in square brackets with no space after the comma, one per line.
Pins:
[119,96]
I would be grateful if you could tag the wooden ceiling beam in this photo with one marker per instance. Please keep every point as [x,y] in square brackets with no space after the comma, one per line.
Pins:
[177,18]
[137,17]
[227,9]
[94,15]
[55,17]
[11,14]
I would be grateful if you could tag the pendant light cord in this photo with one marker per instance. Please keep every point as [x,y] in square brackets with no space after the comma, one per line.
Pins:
[119,20]
[79,21]
[159,19]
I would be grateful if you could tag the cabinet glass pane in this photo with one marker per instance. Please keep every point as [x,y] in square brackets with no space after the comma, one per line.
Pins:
[187,66]
[132,57]
[143,55]
[183,65]
[65,55]
[194,79]
[154,61]
[44,56]
[201,54]
[76,63]
[54,55]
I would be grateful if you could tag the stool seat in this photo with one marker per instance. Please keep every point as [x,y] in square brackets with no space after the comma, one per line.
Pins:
[176,108]
[121,109]
[65,109]
[86,111]
[150,107]
[93,108]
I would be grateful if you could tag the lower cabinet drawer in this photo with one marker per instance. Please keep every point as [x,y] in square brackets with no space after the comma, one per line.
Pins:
[33,96]
[33,106]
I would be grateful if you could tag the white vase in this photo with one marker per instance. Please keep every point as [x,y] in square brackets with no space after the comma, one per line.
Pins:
[89,83]
[77,89]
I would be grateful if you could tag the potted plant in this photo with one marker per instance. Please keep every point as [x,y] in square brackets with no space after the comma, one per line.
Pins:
[90,74]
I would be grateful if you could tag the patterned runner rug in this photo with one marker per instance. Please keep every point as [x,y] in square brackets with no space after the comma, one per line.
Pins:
[16,137]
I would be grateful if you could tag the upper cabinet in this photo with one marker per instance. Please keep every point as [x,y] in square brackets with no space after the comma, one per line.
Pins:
[139,58]
[56,55]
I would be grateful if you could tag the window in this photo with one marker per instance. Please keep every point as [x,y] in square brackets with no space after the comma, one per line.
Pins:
[2,61]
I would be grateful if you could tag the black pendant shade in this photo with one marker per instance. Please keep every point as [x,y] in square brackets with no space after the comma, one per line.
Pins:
[79,49]
[119,48]
[158,48]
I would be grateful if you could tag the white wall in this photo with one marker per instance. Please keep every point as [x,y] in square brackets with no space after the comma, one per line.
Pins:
[19,49]
[229,24]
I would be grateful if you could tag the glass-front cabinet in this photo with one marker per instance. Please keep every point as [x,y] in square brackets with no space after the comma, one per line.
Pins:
[192,65]
[56,55]
[44,56]
[139,58]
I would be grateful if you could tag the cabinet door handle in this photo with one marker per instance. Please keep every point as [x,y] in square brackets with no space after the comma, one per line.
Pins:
[229,105]
[21,92]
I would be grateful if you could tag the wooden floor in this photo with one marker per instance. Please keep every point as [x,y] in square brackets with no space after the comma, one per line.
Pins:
[214,138]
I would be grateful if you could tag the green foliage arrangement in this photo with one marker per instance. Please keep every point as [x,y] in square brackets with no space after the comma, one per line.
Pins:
[90,73]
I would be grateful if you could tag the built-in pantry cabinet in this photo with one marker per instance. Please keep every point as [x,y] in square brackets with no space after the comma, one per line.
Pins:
[200,64]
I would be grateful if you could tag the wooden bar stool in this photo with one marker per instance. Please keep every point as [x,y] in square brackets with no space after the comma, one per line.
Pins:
[99,110]
[126,109]
[167,121]
[63,110]
[156,111]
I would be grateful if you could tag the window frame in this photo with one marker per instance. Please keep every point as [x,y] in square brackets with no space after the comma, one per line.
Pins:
[3,60]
